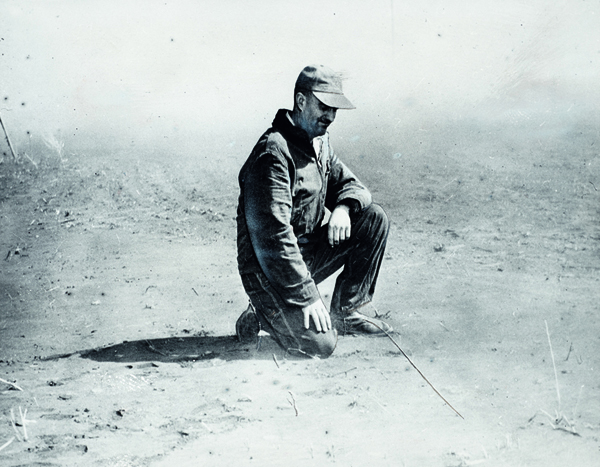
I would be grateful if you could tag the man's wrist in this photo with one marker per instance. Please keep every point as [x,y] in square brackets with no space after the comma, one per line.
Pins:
[352,205]
[345,207]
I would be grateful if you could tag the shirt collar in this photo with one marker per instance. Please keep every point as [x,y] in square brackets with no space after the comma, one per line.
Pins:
[289,116]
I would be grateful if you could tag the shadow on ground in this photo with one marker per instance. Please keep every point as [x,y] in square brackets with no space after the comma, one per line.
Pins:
[180,349]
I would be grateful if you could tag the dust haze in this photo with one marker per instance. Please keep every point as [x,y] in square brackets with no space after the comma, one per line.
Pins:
[197,82]
[477,129]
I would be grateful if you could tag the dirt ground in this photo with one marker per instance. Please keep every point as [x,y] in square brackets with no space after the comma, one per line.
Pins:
[119,294]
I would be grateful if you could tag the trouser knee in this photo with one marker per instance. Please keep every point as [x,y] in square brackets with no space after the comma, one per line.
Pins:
[372,222]
[379,217]
[295,339]
[318,344]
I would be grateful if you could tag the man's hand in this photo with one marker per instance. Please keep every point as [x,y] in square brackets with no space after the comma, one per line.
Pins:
[319,314]
[339,225]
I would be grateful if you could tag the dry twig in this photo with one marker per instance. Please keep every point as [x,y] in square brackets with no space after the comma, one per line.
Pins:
[569,353]
[555,423]
[10,384]
[12,150]
[23,422]
[293,403]
[14,425]
[560,418]
[553,364]
[7,443]
[415,367]
[31,160]
[345,372]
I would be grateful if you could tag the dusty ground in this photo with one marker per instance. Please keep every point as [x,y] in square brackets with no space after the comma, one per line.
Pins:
[119,294]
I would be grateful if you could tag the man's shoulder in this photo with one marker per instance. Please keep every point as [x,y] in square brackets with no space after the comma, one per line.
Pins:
[272,141]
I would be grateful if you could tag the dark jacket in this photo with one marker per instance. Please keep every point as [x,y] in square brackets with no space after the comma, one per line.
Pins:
[284,190]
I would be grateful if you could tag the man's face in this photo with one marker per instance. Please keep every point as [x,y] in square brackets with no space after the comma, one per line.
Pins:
[315,117]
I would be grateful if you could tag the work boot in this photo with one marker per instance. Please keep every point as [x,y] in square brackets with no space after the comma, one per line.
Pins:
[247,326]
[358,324]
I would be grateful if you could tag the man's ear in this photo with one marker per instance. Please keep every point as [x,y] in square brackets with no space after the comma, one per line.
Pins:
[300,101]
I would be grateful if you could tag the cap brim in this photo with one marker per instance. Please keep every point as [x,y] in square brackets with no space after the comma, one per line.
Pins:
[337,101]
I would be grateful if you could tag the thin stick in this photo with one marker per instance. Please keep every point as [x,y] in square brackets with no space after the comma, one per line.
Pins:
[568,422]
[415,367]
[12,151]
[549,417]
[293,403]
[7,443]
[553,364]
[14,425]
[31,160]
[344,372]
[10,384]
[569,354]
[23,422]
[209,429]
[275,360]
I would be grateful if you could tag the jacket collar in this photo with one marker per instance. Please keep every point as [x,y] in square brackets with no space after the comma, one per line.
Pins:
[290,132]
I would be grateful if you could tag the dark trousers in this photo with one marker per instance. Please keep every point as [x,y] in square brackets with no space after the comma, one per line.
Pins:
[360,256]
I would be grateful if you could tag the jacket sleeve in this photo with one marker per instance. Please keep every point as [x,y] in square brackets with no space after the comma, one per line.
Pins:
[268,208]
[343,187]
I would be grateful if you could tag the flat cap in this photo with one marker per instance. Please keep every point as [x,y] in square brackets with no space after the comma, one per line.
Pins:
[325,84]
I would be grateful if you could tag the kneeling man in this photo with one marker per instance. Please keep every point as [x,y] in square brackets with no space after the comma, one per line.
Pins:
[287,185]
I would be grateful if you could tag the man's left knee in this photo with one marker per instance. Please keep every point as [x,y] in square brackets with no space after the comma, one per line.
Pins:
[379,214]
[318,344]
[376,218]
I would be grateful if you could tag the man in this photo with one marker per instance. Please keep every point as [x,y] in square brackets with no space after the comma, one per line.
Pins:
[291,178]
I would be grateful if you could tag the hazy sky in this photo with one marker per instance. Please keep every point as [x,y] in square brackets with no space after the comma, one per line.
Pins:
[159,69]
